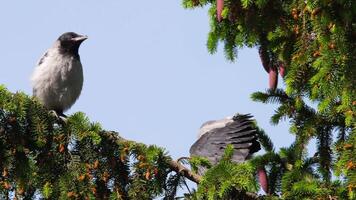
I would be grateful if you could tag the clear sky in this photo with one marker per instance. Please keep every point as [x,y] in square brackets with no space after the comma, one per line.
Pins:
[147,72]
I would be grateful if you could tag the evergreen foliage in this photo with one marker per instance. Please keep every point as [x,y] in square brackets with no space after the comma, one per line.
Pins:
[312,45]
[226,179]
[43,156]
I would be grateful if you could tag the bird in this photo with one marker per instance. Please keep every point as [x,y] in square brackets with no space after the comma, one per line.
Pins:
[57,79]
[214,136]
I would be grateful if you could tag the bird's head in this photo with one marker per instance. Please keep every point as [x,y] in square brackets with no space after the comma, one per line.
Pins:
[69,42]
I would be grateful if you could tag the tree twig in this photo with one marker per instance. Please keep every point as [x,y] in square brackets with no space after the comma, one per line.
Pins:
[179,168]
[175,165]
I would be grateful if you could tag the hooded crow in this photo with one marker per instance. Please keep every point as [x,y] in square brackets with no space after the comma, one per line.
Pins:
[57,80]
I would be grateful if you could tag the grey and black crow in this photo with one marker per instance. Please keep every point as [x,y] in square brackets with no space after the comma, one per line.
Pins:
[214,136]
[57,80]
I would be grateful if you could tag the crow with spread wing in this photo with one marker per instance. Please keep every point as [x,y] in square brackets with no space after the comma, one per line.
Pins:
[214,136]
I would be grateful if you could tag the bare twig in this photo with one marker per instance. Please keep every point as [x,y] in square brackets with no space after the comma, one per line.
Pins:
[179,168]
[181,159]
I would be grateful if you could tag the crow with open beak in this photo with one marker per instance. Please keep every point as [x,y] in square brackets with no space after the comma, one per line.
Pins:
[57,80]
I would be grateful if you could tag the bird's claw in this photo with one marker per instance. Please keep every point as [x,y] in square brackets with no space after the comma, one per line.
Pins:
[59,116]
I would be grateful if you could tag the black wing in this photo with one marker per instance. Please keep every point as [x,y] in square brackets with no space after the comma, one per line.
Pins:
[240,133]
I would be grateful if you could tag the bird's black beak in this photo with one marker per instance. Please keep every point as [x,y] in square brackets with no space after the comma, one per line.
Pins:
[80,38]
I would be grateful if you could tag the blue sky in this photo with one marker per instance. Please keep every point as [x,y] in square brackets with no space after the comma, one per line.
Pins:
[147,72]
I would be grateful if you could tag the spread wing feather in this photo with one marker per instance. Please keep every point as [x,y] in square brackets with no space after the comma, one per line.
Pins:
[239,132]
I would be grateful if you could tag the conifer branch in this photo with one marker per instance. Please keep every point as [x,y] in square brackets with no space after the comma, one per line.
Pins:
[174,165]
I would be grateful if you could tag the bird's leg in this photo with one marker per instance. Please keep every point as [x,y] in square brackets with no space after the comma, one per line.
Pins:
[59,115]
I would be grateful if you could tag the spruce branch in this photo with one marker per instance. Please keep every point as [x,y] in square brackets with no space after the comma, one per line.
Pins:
[74,157]
[174,165]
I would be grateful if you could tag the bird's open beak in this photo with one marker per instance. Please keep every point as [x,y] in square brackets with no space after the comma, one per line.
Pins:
[80,38]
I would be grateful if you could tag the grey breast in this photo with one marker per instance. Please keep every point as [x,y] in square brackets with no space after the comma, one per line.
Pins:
[216,135]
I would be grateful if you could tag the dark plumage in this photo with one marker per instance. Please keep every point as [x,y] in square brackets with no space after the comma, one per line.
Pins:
[70,43]
[216,135]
